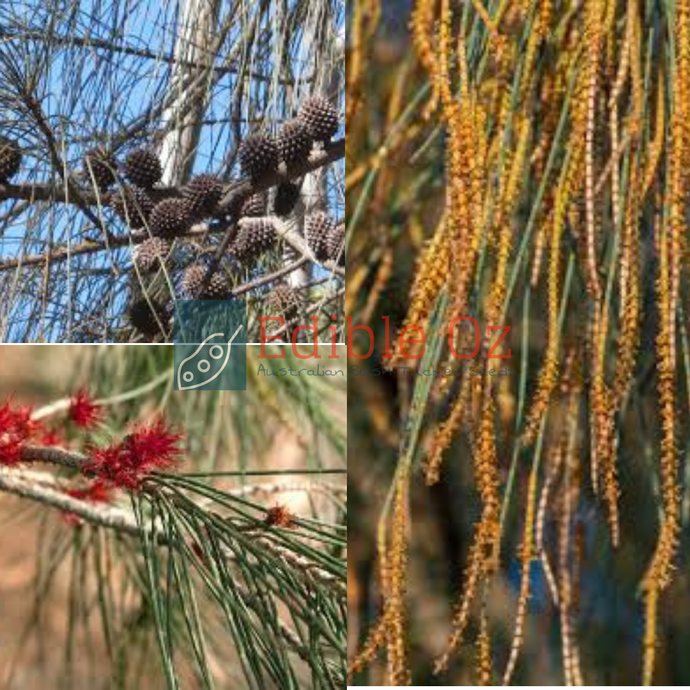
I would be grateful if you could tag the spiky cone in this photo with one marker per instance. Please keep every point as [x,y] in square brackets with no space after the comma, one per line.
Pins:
[254,206]
[258,155]
[10,159]
[170,218]
[100,167]
[143,168]
[336,243]
[133,205]
[193,283]
[217,288]
[294,142]
[287,195]
[203,193]
[255,236]
[320,118]
[150,253]
[317,228]
[193,280]
[283,300]
[142,316]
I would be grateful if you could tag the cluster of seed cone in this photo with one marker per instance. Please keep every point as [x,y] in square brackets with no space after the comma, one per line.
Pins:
[261,153]
[128,187]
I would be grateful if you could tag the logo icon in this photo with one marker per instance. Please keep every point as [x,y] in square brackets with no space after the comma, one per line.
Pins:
[203,365]
[205,358]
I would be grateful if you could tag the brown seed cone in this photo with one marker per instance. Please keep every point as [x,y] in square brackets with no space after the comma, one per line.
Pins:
[193,283]
[294,142]
[317,228]
[203,193]
[143,168]
[336,243]
[284,300]
[254,237]
[170,218]
[320,118]
[143,317]
[133,205]
[254,206]
[217,287]
[258,155]
[150,253]
[10,159]
[100,167]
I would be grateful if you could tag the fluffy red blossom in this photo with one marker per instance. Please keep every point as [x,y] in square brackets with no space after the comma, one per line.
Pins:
[96,492]
[52,437]
[279,516]
[147,448]
[16,428]
[83,411]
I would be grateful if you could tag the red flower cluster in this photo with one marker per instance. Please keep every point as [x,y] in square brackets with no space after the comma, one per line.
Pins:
[16,428]
[83,411]
[125,463]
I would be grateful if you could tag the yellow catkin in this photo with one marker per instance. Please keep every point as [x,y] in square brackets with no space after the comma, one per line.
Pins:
[484,665]
[376,640]
[629,338]
[443,434]
[555,461]
[431,274]
[527,555]
[621,79]
[473,576]
[571,387]
[422,28]
[602,424]
[505,224]
[395,615]
[540,241]
[656,146]
[592,37]
[659,572]
[365,19]
[548,376]
[484,554]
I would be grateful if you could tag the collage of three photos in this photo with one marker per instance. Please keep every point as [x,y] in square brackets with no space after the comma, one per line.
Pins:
[262,262]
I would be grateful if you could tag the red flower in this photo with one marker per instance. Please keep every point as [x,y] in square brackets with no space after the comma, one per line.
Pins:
[97,492]
[52,437]
[279,516]
[16,428]
[83,411]
[147,448]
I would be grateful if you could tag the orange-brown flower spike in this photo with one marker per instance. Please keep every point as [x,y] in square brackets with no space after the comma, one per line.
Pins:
[442,436]
[527,555]
[376,641]
[630,303]
[395,614]
[484,664]
[431,274]
[659,573]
